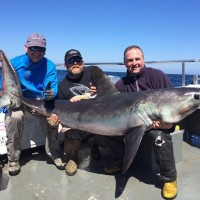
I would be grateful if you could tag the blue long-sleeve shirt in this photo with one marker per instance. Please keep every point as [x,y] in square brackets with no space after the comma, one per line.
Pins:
[34,77]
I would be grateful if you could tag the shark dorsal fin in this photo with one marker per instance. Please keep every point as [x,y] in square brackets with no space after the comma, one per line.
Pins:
[103,83]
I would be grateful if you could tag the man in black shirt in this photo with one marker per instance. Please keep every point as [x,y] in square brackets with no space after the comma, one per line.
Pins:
[80,83]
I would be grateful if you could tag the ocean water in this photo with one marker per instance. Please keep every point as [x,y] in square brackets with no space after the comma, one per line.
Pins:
[176,79]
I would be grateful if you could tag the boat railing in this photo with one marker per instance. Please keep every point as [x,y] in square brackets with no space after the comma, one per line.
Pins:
[182,62]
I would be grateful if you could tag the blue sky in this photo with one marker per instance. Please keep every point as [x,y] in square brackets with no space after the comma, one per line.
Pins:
[102,29]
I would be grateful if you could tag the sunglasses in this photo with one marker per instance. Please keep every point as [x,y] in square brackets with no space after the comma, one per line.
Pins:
[74,59]
[40,49]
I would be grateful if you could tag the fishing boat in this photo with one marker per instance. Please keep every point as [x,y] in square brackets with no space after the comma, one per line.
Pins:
[39,179]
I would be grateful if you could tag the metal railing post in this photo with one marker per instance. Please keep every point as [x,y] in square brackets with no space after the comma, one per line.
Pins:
[183,74]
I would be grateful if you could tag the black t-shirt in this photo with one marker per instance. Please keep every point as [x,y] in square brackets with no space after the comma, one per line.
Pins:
[69,88]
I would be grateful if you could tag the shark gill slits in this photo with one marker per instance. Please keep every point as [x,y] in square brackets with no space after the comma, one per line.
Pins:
[196,96]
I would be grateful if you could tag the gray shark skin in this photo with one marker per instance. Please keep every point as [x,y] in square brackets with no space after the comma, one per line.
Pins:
[125,114]
[116,114]
[10,83]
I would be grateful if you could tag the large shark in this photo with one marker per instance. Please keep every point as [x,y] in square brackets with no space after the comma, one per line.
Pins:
[114,114]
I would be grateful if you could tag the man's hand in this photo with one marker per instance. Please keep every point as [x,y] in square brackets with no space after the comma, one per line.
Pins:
[53,120]
[15,102]
[80,97]
[49,94]
[93,89]
[159,124]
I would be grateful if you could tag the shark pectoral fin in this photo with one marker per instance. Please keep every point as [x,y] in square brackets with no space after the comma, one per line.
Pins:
[132,142]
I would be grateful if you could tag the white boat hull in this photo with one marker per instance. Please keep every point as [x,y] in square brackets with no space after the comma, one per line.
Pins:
[33,134]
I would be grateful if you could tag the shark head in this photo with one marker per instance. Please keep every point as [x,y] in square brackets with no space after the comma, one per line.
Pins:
[178,104]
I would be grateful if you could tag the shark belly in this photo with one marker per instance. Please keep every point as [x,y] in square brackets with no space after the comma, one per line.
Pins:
[112,124]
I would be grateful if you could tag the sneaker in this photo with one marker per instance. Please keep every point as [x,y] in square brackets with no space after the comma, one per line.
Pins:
[59,164]
[14,168]
[113,169]
[71,168]
[169,190]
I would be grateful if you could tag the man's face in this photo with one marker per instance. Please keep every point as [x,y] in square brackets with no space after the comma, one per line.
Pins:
[75,65]
[134,60]
[35,53]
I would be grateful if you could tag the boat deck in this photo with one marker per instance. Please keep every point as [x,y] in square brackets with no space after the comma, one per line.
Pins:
[39,179]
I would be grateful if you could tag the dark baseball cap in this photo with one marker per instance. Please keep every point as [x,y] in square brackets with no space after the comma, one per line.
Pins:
[72,53]
[36,39]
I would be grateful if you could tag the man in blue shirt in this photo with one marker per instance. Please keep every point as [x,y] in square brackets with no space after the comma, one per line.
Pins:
[38,79]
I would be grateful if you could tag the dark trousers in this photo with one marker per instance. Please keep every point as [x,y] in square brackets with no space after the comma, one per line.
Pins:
[164,154]
[162,145]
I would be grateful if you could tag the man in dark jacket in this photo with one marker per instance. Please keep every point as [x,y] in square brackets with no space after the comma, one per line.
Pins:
[139,77]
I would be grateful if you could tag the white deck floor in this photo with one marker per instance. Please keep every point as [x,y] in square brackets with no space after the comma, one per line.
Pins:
[39,179]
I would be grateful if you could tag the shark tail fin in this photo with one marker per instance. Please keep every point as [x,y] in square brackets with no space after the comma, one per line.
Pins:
[9,81]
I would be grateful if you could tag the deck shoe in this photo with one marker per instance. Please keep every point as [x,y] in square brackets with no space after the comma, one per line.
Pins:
[113,169]
[13,168]
[59,164]
[169,190]
[71,168]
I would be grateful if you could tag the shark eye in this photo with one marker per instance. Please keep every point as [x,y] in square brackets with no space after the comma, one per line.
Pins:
[196,96]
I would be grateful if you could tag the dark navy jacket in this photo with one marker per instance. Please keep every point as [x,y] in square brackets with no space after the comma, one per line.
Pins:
[148,78]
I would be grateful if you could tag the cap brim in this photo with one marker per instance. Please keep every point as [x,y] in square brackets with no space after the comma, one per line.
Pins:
[37,44]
